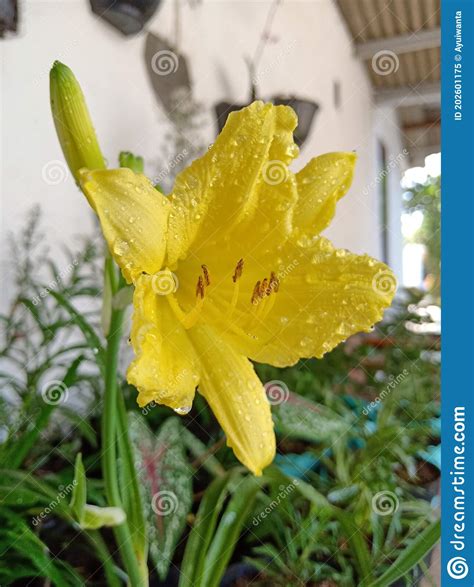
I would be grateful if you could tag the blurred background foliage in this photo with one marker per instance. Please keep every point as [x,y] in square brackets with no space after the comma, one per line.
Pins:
[425,198]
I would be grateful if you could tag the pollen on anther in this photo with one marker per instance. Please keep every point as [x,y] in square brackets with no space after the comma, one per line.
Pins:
[205,271]
[238,270]
[274,282]
[200,287]
[256,293]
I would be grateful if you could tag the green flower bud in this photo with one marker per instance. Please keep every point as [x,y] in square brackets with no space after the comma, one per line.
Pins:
[72,121]
[131,161]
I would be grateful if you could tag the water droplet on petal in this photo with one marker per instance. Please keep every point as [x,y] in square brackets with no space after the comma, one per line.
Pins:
[121,247]
[183,410]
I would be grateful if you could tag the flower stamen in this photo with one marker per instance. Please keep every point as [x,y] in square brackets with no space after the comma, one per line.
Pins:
[238,270]
[235,294]
[200,288]
[255,294]
[262,295]
[207,277]
[189,319]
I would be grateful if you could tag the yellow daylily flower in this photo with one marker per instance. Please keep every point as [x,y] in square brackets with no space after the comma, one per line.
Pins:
[231,266]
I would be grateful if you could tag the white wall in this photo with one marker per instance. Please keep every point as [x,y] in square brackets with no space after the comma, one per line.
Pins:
[385,130]
[312,51]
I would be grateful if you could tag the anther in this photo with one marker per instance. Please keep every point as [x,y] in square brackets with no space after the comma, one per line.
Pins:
[200,287]
[256,293]
[274,282]
[205,271]
[238,270]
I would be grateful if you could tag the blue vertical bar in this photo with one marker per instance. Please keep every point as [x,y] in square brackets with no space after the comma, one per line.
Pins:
[457,109]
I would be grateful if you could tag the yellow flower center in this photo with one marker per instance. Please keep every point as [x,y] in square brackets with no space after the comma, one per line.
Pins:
[261,299]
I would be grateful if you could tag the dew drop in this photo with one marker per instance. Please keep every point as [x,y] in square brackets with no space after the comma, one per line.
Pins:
[183,410]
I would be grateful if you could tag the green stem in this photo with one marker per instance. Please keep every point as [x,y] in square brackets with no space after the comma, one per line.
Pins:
[134,506]
[109,452]
[111,571]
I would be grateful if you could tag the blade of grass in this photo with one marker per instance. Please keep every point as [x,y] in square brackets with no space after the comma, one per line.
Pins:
[201,535]
[86,329]
[228,532]
[412,555]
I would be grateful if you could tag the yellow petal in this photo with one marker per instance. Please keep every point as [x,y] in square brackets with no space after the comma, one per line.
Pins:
[324,296]
[237,398]
[166,368]
[221,190]
[133,216]
[321,183]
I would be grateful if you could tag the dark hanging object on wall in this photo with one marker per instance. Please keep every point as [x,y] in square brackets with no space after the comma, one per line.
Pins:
[128,16]
[8,16]
[167,71]
[305,110]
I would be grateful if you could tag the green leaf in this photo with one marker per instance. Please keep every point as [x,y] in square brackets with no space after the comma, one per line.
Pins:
[14,483]
[357,541]
[79,492]
[352,532]
[298,417]
[91,517]
[28,556]
[203,530]
[35,313]
[95,517]
[86,329]
[228,532]
[411,555]
[20,448]
[166,482]
[130,489]
[200,451]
